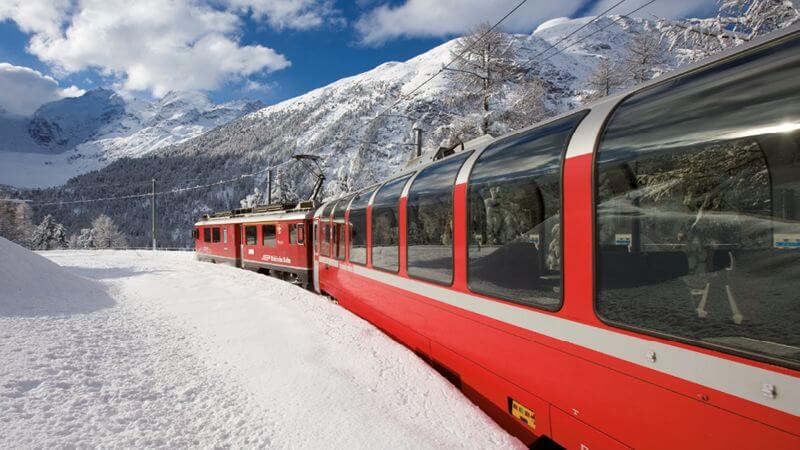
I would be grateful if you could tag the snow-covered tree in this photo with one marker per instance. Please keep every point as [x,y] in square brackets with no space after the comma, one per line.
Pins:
[737,21]
[105,233]
[643,54]
[485,60]
[48,235]
[605,80]
[8,226]
[531,107]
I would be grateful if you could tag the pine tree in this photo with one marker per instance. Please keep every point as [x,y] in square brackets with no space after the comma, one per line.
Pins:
[49,235]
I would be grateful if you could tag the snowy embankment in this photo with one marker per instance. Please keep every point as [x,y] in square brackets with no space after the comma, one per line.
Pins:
[143,349]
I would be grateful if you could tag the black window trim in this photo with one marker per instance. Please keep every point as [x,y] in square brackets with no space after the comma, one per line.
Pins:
[468,154]
[580,115]
[409,176]
[750,356]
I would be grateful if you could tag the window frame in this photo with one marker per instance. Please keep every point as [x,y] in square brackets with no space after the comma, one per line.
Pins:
[371,190]
[370,255]
[469,154]
[580,115]
[264,235]
[697,343]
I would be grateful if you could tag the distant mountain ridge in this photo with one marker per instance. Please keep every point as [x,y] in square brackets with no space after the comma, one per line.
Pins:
[71,136]
[335,123]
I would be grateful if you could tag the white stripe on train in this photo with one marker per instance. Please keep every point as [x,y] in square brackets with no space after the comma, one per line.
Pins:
[731,377]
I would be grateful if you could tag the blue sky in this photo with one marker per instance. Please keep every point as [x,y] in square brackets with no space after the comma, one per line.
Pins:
[266,49]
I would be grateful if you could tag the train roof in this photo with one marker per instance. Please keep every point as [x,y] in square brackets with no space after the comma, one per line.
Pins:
[260,213]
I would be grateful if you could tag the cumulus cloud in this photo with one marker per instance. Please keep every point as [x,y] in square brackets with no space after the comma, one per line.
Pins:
[439,18]
[23,89]
[144,45]
[296,14]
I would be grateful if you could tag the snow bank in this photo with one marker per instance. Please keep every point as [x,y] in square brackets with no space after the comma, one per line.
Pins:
[31,285]
[201,355]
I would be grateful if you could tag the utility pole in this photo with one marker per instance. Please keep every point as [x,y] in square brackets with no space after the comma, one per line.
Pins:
[269,186]
[153,211]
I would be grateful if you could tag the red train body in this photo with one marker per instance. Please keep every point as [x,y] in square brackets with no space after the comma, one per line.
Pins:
[624,276]
[273,242]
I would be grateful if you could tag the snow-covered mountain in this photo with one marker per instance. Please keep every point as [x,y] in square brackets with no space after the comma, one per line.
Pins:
[334,122]
[74,135]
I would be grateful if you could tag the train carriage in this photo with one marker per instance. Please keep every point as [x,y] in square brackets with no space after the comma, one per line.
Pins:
[272,239]
[622,276]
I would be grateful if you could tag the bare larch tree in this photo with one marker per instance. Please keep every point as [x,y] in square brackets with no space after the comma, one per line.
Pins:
[485,59]
[643,54]
[605,80]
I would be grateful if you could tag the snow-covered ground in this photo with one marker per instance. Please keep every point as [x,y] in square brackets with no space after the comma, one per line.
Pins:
[144,349]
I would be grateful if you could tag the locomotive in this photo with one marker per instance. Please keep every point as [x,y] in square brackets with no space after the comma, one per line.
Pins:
[625,275]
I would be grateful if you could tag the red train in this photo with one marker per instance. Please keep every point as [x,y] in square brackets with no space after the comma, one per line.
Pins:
[269,239]
[622,276]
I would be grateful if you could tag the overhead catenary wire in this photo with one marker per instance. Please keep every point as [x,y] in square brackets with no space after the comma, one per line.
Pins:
[572,44]
[157,193]
[382,113]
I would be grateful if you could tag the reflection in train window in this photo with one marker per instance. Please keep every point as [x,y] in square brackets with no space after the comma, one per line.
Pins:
[514,220]
[358,227]
[698,207]
[268,235]
[325,239]
[250,235]
[338,227]
[386,225]
[430,221]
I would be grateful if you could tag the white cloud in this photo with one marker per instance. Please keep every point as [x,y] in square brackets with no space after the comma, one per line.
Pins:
[439,18]
[146,45]
[36,16]
[255,86]
[23,89]
[297,14]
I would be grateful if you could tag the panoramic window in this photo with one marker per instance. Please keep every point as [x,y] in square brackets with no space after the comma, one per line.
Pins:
[430,221]
[358,226]
[268,235]
[250,235]
[206,234]
[339,230]
[325,240]
[386,225]
[514,201]
[698,207]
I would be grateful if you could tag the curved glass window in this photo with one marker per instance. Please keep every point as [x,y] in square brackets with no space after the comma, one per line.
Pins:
[338,248]
[325,228]
[514,201]
[430,221]
[358,226]
[386,225]
[698,207]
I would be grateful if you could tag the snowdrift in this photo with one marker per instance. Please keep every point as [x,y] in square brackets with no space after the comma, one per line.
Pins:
[31,285]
